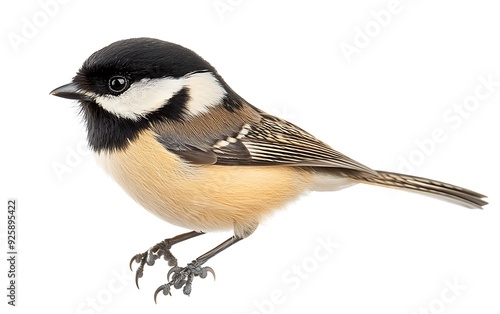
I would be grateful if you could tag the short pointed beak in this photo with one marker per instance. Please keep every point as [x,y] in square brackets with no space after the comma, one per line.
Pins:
[70,91]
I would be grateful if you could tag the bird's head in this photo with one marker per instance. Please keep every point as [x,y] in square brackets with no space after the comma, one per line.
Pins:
[126,86]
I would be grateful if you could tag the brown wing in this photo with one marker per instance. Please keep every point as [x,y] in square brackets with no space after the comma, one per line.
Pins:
[273,141]
[253,138]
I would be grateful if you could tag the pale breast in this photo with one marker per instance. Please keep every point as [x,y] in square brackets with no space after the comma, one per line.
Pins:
[201,197]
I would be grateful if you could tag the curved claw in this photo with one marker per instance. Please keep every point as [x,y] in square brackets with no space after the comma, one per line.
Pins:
[182,277]
[138,274]
[210,270]
[130,264]
[164,288]
[136,258]
[172,270]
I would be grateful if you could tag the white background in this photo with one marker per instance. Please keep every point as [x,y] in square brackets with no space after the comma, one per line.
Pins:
[398,252]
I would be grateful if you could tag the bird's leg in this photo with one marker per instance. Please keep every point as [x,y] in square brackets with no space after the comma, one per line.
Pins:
[182,277]
[158,250]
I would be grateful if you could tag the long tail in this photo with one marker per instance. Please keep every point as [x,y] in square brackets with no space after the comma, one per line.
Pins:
[430,187]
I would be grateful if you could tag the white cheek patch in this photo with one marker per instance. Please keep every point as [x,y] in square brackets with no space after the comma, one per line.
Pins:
[205,91]
[142,97]
[149,95]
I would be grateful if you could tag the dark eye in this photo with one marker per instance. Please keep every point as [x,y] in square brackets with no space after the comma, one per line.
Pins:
[118,84]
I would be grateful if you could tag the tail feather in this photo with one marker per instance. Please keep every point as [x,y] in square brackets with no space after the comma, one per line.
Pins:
[450,192]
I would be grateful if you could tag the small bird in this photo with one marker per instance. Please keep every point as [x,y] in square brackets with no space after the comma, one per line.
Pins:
[173,134]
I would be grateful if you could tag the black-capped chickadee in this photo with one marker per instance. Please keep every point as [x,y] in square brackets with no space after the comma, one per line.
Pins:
[164,124]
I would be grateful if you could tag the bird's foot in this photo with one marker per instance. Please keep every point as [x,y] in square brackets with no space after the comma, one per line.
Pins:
[182,277]
[150,256]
